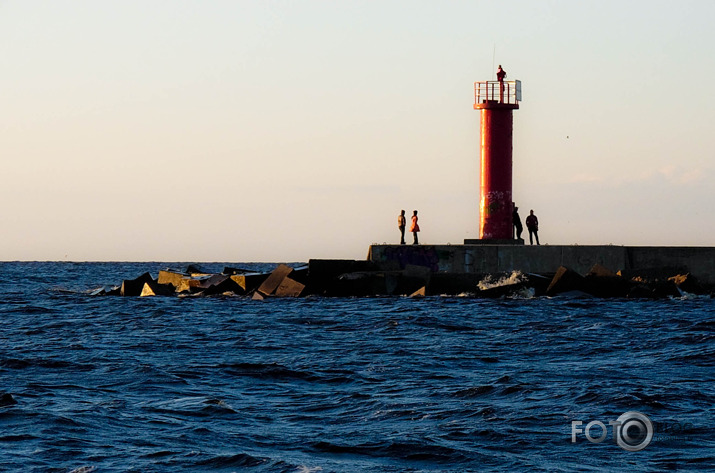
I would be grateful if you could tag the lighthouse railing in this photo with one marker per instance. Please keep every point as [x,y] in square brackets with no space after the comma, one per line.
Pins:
[508,92]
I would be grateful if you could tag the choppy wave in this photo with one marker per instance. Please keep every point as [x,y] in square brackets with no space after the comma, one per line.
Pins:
[443,384]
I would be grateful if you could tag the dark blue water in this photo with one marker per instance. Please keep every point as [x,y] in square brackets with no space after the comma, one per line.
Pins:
[110,384]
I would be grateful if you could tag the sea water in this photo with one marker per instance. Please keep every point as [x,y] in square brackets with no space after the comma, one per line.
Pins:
[387,384]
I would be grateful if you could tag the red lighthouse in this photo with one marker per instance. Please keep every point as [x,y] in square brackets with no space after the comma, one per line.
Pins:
[496,100]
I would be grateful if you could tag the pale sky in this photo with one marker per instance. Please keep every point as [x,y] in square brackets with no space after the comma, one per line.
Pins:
[283,131]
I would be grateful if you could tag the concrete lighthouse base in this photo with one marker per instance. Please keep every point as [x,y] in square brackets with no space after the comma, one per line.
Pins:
[510,241]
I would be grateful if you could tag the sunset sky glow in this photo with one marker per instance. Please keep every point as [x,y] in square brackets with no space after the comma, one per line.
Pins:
[281,131]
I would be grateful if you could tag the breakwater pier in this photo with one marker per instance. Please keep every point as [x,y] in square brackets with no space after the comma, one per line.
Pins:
[479,270]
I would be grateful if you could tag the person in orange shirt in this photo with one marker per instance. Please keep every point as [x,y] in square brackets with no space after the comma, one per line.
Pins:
[415,228]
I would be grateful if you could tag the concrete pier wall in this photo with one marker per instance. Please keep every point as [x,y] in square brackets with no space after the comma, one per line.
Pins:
[482,259]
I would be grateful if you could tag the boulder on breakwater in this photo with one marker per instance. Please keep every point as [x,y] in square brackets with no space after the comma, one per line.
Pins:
[353,278]
[195,282]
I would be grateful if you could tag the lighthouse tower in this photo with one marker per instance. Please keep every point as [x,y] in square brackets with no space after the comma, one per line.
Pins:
[496,100]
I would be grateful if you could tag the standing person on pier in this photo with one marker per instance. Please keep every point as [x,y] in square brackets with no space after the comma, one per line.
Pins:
[401,224]
[516,221]
[532,223]
[415,228]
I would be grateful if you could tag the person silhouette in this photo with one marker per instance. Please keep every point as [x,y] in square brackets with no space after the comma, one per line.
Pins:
[501,74]
[415,228]
[532,224]
[401,224]
[516,221]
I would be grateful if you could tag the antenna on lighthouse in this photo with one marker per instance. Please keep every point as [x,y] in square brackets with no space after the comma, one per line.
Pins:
[494,55]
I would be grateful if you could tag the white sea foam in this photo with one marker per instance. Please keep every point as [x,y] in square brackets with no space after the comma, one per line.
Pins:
[488,282]
[84,469]
[524,293]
